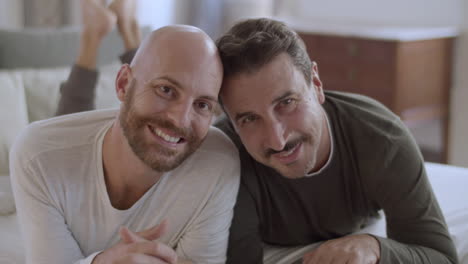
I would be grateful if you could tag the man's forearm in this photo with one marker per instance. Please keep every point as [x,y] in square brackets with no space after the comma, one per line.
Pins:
[396,252]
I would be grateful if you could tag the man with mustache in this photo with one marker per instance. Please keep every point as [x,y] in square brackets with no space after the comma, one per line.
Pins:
[83,181]
[317,166]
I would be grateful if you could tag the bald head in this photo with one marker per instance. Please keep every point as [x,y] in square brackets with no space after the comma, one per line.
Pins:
[175,43]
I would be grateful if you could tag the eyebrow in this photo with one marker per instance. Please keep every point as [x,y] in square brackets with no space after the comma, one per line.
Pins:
[277,99]
[167,78]
[209,98]
[281,97]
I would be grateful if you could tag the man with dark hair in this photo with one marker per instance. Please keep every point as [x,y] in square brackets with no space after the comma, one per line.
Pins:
[317,166]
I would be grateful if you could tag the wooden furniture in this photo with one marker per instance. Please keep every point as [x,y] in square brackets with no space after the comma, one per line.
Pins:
[408,70]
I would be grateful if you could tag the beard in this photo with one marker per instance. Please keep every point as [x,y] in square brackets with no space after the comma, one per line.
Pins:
[156,156]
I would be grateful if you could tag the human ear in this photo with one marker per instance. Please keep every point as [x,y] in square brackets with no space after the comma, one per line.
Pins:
[123,81]
[317,83]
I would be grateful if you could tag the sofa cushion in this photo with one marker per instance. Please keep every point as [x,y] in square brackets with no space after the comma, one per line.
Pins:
[42,88]
[106,96]
[13,115]
[7,203]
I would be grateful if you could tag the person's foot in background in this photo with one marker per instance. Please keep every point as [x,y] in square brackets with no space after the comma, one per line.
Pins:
[125,10]
[97,22]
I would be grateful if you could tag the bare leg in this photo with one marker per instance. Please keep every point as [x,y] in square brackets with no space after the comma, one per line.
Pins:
[98,21]
[125,10]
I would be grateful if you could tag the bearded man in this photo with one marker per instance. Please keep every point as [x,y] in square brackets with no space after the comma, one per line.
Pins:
[83,181]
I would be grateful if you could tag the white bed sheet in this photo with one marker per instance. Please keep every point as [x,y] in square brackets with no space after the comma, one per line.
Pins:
[449,184]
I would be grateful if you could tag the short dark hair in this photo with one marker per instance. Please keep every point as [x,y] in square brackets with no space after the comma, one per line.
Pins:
[253,43]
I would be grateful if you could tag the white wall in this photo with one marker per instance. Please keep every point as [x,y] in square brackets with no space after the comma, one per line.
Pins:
[153,13]
[459,124]
[394,12]
[158,13]
[213,16]
[11,14]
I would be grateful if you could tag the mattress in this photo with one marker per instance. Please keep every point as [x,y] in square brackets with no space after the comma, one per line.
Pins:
[448,183]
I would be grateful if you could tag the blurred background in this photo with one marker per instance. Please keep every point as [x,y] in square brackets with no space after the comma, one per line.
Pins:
[410,55]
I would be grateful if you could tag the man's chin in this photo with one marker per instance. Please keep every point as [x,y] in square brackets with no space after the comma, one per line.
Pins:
[164,163]
[290,173]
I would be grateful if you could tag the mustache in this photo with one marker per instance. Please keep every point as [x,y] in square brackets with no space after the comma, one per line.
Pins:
[290,145]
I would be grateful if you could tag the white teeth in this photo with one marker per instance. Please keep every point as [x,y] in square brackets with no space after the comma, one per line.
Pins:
[285,154]
[166,137]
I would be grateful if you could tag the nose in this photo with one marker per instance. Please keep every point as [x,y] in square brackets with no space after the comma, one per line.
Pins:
[179,114]
[275,135]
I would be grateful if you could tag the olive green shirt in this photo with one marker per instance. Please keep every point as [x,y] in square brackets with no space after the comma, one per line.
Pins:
[375,165]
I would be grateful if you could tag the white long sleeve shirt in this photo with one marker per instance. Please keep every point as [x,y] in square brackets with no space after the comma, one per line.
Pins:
[64,209]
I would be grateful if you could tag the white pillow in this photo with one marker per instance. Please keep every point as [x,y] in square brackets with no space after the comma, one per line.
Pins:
[7,204]
[106,96]
[43,89]
[13,113]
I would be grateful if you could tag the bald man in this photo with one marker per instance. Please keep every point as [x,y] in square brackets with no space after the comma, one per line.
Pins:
[150,182]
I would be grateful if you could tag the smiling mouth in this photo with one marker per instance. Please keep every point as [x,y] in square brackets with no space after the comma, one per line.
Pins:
[289,152]
[166,137]
[289,156]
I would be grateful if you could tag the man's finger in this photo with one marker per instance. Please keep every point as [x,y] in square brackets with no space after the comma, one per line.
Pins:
[155,249]
[128,236]
[154,232]
[140,259]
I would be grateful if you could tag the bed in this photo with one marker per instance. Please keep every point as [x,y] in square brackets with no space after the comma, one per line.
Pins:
[448,183]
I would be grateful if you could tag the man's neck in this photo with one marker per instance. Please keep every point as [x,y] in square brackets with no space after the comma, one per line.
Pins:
[127,178]
[325,147]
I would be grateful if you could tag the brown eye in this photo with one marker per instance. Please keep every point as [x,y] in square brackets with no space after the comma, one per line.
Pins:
[248,119]
[287,104]
[287,101]
[165,89]
[203,107]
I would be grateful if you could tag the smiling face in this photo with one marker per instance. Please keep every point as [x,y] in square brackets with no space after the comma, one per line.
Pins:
[279,117]
[168,101]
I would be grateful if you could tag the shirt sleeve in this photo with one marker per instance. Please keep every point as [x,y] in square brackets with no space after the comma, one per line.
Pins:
[46,236]
[416,228]
[207,238]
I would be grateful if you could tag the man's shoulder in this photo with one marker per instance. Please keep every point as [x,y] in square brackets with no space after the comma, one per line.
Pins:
[61,132]
[224,124]
[217,143]
[380,140]
[357,104]
[215,165]
[363,115]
